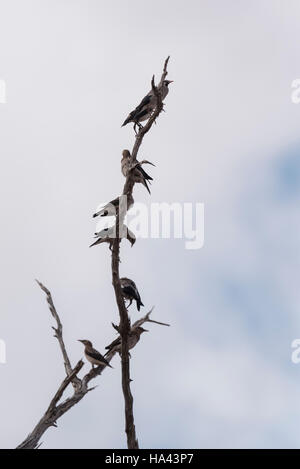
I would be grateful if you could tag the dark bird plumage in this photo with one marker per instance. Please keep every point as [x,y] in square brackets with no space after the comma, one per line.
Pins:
[133,338]
[144,110]
[112,207]
[130,292]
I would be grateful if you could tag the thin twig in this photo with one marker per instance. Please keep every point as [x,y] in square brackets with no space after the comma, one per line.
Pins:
[146,318]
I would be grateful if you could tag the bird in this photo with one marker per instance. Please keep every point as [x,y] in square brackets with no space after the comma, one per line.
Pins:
[144,110]
[130,292]
[107,235]
[139,175]
[112,207]
[92,355]
[133,338]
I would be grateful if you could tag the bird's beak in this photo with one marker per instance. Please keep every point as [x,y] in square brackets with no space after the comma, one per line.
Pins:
[80,341]
[171,81]
[145,330]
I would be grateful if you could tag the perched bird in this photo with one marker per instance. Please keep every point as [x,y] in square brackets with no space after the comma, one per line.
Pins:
[112,207]
[92,355]
[133,338]
[108,235]
[130,292]
[139,175]
[144,110]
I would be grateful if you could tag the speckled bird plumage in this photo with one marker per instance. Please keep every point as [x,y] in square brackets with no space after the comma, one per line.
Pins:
[92,355]
[139,174]
[133,338]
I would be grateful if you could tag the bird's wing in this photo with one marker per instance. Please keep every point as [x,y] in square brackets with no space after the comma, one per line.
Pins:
[135,114]
[99,241]
[114,202]
[93,353]
[142,113]
[103,212]
[103,233]
[146,185]
[143,173]
[107,209]
[139,302]
[131,291]
[130,234]
[115,343]
[145,101]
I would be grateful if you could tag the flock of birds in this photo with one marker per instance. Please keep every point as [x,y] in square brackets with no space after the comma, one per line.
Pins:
[129,289]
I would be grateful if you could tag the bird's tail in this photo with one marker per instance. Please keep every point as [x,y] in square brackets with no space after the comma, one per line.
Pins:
[102,213]
[126,121]
[145,175]
[139,304]
[146,185]
[96,242]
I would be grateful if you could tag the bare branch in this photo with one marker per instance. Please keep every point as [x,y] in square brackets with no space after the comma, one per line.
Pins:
[55,410]
[132,442]
[59,335]
[165,70]
[146,318]
[64,386]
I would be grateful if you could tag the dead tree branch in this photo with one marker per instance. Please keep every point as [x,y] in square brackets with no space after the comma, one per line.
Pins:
[56,408]
[146,318]
[132,442]
[59,335]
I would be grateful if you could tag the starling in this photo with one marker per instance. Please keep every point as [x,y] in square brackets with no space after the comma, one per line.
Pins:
[92,355]
[112,207]
[133,338]
[139,175]
[144,110]
[107,235]
[130,292]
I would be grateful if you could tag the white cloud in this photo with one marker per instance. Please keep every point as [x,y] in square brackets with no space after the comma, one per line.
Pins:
[73,73]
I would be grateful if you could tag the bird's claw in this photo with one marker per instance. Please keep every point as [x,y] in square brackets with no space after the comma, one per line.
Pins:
[139,126]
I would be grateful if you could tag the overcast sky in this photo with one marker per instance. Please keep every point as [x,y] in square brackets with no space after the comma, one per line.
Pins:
[222,375]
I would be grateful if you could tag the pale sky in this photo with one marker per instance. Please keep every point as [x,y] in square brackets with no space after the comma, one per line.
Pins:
[221,376]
